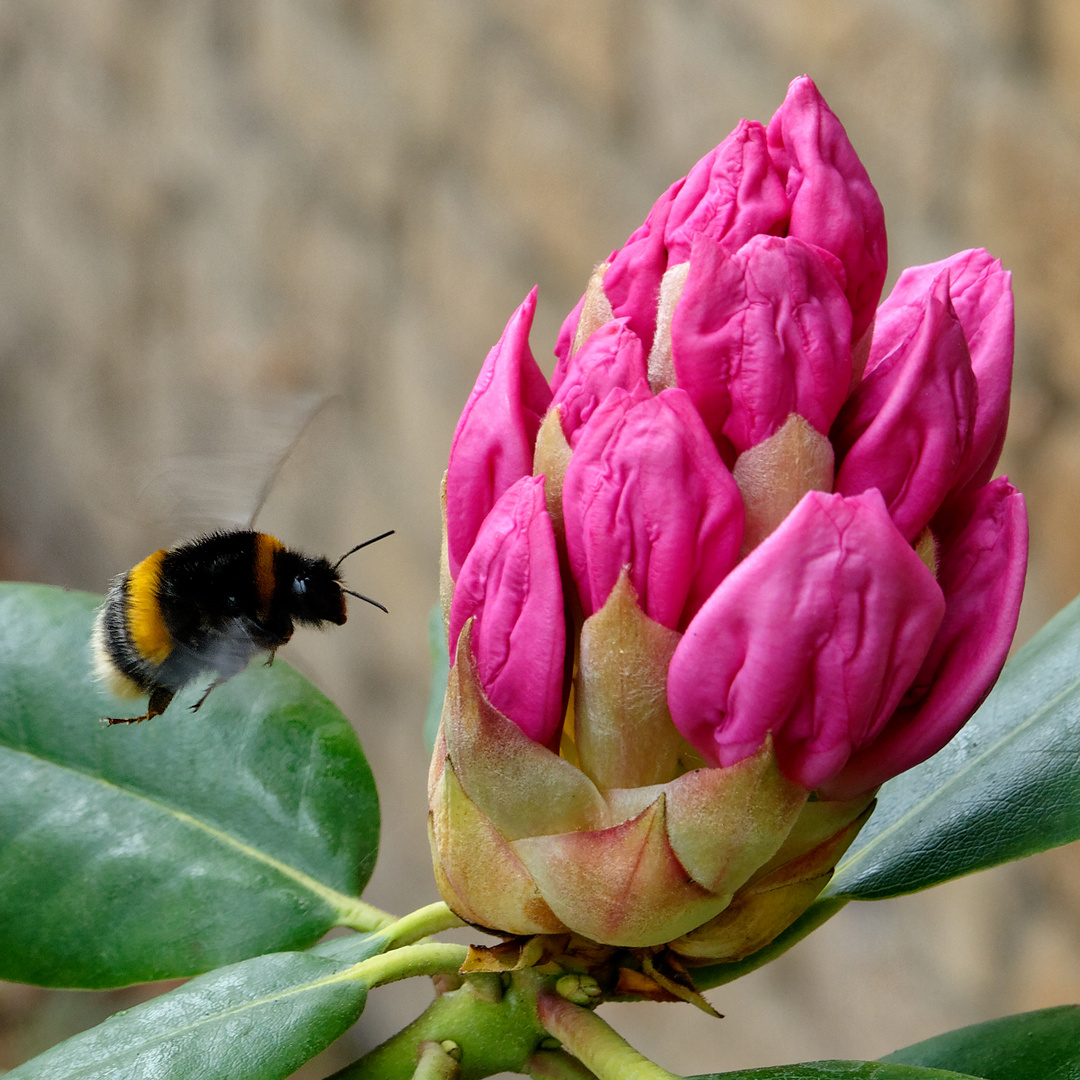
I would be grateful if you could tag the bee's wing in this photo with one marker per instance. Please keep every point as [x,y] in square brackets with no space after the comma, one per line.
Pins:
[223,467]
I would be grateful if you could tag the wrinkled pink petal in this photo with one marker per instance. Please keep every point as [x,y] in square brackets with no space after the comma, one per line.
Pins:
[730,195]
[611,357]
[814,637]
[510,584]
[632,281]
[646,489]
[759,334]
[908,424]
[982,575]
[981,295]
[833,203]
[494,440]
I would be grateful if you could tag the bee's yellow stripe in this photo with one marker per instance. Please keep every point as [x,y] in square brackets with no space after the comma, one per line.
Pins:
[147,628]
[265,548]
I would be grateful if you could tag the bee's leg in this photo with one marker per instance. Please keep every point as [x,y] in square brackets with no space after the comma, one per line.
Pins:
[270,658]
[160,697]
[198,704]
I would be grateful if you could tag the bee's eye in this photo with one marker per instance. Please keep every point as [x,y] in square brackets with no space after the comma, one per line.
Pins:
[299,585]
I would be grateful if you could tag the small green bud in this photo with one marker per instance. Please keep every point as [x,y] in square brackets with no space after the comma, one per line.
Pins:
[579,989]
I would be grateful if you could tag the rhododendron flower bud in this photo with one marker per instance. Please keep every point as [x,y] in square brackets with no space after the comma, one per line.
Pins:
[646,489]
[493,444]
[509,585]
[740,563]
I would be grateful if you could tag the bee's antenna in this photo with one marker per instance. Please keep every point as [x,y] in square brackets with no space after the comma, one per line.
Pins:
[361,596]
[381,536]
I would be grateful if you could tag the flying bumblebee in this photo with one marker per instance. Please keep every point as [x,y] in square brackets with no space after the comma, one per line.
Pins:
[206,607]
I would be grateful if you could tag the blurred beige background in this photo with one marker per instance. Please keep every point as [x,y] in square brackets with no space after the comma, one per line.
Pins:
[214,212]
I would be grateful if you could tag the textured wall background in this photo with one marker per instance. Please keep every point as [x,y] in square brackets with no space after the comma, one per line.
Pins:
[213,212]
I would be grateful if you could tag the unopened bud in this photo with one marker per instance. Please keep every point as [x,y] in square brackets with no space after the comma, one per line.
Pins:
[579,989]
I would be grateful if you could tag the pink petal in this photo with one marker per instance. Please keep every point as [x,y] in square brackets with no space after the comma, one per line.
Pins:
[565,341]
[982,575]
[510,584]
[907,426]
[632,281]
[759,334]
[494,440]
[730,195]
[611,357]
[813,637]
[981,295]
[646,489]
[833,203]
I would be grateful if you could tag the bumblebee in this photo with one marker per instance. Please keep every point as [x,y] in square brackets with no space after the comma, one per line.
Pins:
[207,607]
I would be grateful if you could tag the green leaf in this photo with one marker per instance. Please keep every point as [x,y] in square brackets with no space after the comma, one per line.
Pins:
[440,672]
[1008,785]
[837,1070]
[167,848]
[1043,1045]
[259,1019]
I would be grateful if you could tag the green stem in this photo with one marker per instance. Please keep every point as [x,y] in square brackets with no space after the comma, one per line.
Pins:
[557,1065]
[434,1063]
[597,1045]
[420,924]
[364,917]
[427,958]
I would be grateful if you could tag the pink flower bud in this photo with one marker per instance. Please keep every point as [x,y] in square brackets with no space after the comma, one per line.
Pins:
[761,333]
[509,584]
[730,195]
[983,555]
[833,203]
[646,489]
[612,357]
[494,440]
[908,424]
[770,534]
[814,637]
[981,297]
[632,280]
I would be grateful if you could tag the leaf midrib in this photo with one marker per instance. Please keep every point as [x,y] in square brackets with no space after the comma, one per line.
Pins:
[162,1036]
[342,903]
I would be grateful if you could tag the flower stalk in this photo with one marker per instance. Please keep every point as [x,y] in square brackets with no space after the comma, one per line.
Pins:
[426,958]
[557,1065]
[436,1061]
[432,919]
[595,1043]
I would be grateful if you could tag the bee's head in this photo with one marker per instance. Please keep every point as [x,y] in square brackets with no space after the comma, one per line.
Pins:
[315,594]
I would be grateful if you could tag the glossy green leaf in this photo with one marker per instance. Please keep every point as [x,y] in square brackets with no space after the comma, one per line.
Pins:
[440,672]
[838,1070]
[166,848]
[1043,1045]
[260,1019]
[1008,785]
